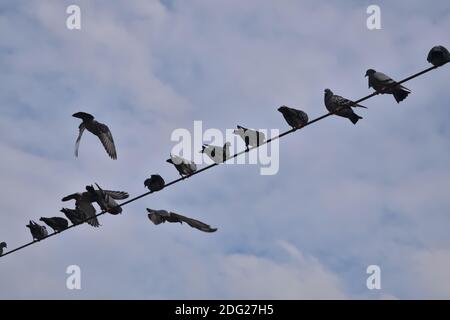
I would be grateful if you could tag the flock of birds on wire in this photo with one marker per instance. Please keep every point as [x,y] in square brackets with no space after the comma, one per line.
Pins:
[84,210]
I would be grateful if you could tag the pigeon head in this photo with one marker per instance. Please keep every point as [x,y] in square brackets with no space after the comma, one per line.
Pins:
[328,93]
[3,245]
[83,116]
[282,109]
[90,189]
[369,72]
[147,182]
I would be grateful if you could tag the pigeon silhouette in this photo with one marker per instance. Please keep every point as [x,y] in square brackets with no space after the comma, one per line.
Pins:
[154,183]
[251,137]
[162,216]
[37,231]
[295,118]
[386,85]
[99,129]
[341,106]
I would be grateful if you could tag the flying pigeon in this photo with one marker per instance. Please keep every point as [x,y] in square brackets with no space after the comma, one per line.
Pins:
[37,231]
[251,137]
[341,106]
[76,216]
[438,56]
[2,245]
[184,167]
[154,183]
[385,84]
[99,129]
[217,154]
[295,118]
[106,198]
[161,216]
[56,223]
[83,205]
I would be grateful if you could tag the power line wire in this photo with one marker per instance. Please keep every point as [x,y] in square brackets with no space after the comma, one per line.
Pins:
[231,157]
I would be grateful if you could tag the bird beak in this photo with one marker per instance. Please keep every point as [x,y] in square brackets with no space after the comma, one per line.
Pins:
[366,75]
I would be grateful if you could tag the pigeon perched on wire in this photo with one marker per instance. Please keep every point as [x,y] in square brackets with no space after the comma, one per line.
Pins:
[295,118]
[106,198]
[162,216]
[76,216]
[251,137]
[216,153]
[184,167]
[438,56]
[37,231]
[58,224]
[2,245]
[385,84]
[99,129]
[83,204]
[154,183]
[341,106]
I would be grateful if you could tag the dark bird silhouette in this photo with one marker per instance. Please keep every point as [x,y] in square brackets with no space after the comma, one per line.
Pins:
[106,198]
[341,106]
[438,56]
[295,118]
[216,153]
[58,224]
[76,216]
[251,137]
[161,216]
[2,245]
[184,167]
[37,231]
[154,183]
[385,84]
[83,204]
[99,129]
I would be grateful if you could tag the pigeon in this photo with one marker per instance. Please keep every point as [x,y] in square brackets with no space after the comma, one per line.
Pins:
[83,205]
[154,183]
[385,84]
[99,129]
[2,245]
[106,198]
[217,154]
[37,231]
[161,216]
[75,216]
[184,167]
[56,223]
[341,106]
[251,137]
[295,118]
[438,56]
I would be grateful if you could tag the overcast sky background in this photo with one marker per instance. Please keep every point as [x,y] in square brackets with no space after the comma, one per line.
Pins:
[345,196]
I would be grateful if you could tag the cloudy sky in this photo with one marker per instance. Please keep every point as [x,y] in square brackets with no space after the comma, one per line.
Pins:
[345,196]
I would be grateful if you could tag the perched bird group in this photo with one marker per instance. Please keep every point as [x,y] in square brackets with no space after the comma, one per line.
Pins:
[85,211]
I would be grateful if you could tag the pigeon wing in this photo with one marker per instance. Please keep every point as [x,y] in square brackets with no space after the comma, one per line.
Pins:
[88,211]
[193,223]
[77,143]
[73,196]
[107,140]
[342,102]
[117,195]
